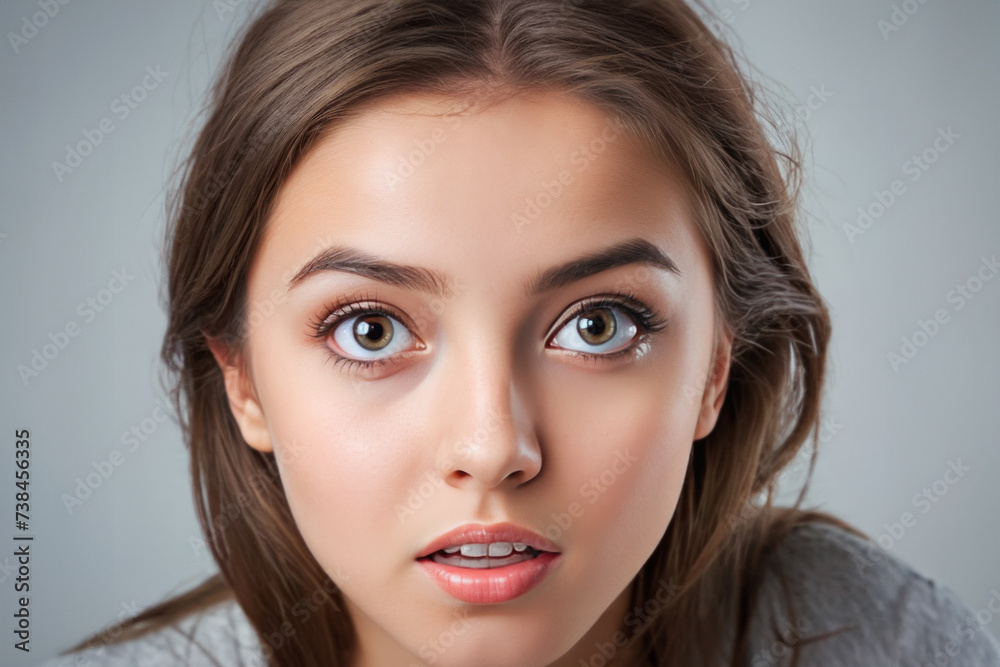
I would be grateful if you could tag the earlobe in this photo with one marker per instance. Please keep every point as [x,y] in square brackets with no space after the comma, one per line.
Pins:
[243,401]
[715,389]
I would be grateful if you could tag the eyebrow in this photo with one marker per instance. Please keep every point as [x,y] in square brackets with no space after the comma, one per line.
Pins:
[352,260]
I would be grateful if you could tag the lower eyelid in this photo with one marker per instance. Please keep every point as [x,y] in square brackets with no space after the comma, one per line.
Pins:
[352,365]
[634,347]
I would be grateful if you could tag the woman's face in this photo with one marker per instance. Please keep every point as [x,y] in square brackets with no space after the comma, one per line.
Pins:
[503,316]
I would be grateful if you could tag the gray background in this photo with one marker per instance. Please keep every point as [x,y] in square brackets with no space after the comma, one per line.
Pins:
[890,432]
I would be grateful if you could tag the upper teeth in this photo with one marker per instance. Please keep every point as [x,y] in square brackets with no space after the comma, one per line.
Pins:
[494,549]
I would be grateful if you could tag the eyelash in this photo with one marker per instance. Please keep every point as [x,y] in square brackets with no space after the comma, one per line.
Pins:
[647,320]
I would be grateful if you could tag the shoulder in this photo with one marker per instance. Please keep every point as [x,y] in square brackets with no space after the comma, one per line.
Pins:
[876,608]
[219,635]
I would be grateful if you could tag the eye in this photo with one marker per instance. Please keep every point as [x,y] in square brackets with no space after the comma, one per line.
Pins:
[372,335]
[597,331]
[607,327]
[366,336]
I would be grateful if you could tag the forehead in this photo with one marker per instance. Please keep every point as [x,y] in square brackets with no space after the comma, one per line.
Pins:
[529,179]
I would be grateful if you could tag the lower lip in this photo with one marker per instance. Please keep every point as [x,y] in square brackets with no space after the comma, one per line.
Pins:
[493,585]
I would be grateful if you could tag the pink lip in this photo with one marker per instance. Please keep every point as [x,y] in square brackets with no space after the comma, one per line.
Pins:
[493,585]
[479,534]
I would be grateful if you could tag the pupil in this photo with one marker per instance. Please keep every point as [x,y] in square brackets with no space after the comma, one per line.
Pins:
[373,332]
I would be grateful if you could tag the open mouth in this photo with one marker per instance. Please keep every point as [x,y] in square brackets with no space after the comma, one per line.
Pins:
[484,556]
[489,564]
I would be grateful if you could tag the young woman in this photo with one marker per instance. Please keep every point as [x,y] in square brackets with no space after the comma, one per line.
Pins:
[491,332]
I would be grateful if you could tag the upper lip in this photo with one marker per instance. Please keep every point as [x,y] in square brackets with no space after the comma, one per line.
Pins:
[482,534]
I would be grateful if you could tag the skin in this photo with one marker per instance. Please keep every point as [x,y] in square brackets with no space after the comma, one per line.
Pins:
[504,423]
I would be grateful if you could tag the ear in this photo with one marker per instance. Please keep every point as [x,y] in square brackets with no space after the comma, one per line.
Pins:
[243,399]
[715,386]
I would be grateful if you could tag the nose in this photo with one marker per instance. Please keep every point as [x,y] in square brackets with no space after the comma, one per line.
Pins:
[491,439]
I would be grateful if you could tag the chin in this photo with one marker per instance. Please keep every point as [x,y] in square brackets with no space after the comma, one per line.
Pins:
[491,636]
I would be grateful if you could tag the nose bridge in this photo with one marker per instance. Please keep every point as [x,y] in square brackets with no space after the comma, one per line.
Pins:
[491,437]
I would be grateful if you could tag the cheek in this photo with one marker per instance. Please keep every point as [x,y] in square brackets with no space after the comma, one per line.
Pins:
[342,484]
[622,441]
[342,457]
[341,470]
[331,433]
[626,450]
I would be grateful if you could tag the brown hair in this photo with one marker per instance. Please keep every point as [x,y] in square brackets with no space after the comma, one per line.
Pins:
[302,67]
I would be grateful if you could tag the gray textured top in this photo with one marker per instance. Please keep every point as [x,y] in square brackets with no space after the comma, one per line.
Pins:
[898,616]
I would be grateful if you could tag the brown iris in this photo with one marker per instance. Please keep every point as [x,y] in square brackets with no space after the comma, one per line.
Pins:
[596,327]
[373,332]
